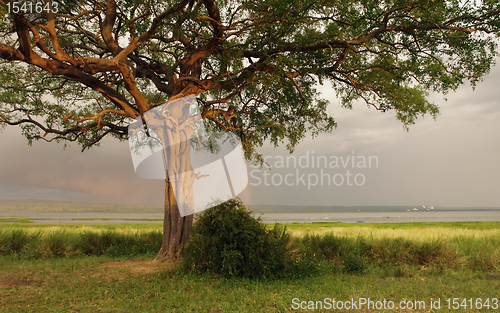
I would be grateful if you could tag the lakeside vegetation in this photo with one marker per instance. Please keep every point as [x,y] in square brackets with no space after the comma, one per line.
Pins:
[108,268]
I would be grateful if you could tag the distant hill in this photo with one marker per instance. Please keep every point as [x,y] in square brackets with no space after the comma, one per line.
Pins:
[60,207]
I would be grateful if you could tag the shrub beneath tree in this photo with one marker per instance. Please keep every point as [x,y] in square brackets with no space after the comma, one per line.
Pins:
[228,241]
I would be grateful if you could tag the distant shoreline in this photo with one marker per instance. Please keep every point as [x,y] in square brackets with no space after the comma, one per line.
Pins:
[79,207]
[289,217]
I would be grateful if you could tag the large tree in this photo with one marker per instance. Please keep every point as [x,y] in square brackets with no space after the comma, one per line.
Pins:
[87,70]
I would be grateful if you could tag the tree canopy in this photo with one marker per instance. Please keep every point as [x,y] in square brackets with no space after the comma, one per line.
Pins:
[85,71]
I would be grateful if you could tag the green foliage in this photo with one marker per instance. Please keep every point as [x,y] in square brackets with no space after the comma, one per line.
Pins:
[228,241]
[266,63]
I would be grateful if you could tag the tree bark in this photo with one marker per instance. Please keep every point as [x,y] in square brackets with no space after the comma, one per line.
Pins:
[176,229]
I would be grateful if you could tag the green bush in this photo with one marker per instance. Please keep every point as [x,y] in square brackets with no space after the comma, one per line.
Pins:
[227,240]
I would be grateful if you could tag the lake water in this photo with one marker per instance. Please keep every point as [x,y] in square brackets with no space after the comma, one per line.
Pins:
[459,215]
[385,217]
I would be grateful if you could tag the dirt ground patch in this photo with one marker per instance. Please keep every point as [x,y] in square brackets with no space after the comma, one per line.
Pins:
[17,283]
[137,266]
[492,276]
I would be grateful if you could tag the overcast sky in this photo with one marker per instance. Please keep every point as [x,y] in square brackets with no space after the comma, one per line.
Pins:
[453,161]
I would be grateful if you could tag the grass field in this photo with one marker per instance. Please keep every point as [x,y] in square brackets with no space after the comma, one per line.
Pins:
[108,268]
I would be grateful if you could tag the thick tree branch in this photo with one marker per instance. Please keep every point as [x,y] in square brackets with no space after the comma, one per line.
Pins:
[107,28]
[10,53]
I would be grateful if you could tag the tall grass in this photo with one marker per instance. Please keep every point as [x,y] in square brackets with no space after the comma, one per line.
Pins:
[437,232]
[350,248]
[478,251]
[46,243]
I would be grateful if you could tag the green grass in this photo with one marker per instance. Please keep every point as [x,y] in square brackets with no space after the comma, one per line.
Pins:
[16,220]
[89,285]
[46,269]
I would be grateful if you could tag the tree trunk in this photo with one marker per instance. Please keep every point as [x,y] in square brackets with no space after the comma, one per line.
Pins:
[176,229]
[175,138]
[174,127]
